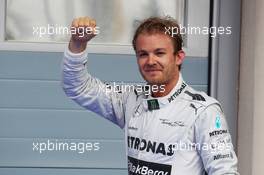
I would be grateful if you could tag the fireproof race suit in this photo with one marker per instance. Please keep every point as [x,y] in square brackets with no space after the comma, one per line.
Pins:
[182,133]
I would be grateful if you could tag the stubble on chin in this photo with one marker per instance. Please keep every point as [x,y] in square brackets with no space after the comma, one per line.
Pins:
[153,81]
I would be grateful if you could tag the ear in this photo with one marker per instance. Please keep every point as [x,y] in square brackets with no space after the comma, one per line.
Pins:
[180,57]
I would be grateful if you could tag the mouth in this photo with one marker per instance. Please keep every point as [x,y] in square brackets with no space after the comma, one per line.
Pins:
[152,70]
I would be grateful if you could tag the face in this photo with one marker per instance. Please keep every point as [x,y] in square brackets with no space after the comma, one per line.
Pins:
[156,59]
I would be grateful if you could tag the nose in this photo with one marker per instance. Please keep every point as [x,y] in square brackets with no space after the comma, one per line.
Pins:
[151,59]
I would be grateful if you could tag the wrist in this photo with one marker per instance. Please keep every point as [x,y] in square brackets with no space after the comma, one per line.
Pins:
[76,46]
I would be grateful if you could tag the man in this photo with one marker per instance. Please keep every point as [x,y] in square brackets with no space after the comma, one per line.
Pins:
[175,130]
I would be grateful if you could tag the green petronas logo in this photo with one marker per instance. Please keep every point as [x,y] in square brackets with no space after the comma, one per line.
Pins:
[217,122]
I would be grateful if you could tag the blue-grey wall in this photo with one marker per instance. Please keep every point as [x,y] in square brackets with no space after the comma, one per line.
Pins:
[34,108]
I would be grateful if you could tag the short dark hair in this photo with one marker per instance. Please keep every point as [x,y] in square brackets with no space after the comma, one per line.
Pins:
[159,25]
[154,25]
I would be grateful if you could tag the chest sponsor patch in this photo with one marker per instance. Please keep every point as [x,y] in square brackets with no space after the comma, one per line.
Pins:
[140,167]
[172,123]
[153,104]
[150,146]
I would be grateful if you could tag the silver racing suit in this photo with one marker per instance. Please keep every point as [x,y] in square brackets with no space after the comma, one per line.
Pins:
[182,133]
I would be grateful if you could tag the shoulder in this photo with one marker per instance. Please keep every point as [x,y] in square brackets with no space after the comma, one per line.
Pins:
[198,97]
[209,113]
[200,100]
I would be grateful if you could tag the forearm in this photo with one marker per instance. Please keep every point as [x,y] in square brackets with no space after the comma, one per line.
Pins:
[90,92]
[74,73]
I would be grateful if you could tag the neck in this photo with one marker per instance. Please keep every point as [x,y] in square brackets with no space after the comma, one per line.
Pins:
[167,88]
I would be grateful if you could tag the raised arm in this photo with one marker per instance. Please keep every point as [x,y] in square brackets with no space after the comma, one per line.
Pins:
[80,86]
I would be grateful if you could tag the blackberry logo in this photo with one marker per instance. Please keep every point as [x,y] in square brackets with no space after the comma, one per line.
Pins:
[140,167]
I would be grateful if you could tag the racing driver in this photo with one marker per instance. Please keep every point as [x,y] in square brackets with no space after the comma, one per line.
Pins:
[174,130]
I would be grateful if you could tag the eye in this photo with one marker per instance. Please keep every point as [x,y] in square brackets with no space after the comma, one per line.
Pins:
[160,53]
[141,55]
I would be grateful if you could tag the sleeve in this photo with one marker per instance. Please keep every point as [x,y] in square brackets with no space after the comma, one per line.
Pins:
[211,132]
[90,92]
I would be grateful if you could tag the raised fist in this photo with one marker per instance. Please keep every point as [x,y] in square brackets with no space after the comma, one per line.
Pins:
[83,29]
